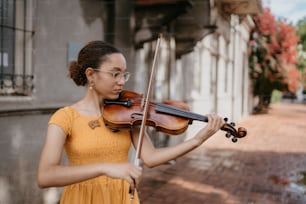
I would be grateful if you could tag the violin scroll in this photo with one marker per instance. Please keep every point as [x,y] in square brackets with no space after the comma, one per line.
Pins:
[231,131]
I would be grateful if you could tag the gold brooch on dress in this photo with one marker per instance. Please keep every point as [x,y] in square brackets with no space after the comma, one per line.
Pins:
[93,124]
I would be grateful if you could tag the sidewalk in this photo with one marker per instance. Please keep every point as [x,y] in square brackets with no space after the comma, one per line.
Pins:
[266,167]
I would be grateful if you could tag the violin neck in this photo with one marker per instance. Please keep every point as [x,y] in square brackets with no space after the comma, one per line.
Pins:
[162,108]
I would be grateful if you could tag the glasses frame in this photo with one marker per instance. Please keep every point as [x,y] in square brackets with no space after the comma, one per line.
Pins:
[117,75]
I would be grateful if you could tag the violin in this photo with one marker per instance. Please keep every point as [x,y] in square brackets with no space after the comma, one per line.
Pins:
[170,117]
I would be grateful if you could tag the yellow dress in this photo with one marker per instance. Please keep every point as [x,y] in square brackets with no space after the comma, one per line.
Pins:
[85,145]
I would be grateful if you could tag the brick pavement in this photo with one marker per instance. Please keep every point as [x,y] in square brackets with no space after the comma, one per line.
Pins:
[266,167]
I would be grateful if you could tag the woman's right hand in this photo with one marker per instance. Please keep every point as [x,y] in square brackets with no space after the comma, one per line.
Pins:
[127,171]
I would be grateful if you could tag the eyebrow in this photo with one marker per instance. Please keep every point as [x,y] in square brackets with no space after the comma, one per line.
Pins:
[117,69]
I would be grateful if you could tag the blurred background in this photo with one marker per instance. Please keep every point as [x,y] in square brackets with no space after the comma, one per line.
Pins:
[230,57]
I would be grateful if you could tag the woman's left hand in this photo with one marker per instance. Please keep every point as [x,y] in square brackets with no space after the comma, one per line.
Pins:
[214,124]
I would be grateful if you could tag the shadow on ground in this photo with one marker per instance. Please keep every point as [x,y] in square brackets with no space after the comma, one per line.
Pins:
[228,177]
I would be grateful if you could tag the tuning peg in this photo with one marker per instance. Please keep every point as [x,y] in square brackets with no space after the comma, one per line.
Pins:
[225,119]
[234,139]
[228,135]
[232,124]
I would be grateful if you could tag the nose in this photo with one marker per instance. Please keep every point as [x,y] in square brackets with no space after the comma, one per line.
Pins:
[121,81]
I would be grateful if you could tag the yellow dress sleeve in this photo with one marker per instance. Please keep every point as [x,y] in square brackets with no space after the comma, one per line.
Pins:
[62,118]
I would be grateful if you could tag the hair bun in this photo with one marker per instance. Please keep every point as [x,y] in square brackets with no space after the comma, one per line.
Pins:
[75,75]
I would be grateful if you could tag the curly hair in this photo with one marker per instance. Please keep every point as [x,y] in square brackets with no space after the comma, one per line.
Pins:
[91,55]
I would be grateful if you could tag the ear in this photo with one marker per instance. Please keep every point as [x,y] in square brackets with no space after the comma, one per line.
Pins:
[89,72]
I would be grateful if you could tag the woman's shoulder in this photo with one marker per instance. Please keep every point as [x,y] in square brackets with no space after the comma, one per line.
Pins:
[64,118]
[66,113]
[66,110]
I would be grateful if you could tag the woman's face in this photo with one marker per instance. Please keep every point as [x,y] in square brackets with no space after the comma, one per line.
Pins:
[109,79]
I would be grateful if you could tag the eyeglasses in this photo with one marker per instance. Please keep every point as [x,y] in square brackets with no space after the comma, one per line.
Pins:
[117,75]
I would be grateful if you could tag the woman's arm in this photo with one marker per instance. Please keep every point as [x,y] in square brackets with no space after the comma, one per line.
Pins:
[153,157]
[52,173]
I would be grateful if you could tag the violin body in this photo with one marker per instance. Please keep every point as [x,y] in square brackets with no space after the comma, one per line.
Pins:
[171,117]
[127,111]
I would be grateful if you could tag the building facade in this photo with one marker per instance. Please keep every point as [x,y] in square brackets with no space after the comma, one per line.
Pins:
[202,62]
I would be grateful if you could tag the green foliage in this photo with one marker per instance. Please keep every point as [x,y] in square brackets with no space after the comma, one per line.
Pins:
[276,96]
[301,29]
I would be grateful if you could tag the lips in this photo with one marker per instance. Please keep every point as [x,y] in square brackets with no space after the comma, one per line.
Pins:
[117,91]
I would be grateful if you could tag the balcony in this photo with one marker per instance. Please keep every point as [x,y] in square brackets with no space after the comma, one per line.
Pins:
[187,21]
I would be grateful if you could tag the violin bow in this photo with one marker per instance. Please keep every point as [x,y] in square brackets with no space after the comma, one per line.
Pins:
[146,111]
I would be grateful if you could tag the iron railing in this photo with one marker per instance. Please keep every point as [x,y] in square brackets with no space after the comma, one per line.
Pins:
[16,84]
[15,48]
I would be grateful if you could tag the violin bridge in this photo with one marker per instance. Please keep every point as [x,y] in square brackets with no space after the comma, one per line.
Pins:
[142,105]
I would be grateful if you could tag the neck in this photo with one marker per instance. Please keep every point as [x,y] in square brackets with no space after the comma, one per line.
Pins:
[90,104]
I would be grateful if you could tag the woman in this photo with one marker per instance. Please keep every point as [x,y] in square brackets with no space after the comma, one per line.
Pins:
[99,171]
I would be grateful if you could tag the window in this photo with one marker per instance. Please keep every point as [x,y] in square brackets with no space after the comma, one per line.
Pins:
[16,37]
